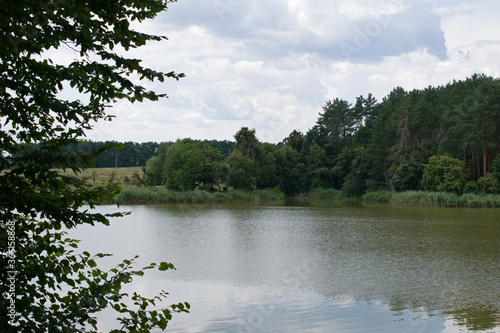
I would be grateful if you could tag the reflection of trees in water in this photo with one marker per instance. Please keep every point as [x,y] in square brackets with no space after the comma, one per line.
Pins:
[456,302]
[428,261]
[476,319]
[421,263]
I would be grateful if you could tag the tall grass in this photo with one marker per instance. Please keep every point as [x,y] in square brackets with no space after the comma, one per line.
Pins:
[438,199]
[322,193]
[134,194]
[380,196]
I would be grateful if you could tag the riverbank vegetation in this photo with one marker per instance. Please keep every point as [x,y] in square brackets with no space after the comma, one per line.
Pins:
[436,199]
[440,139]
[135,194]
[410,146]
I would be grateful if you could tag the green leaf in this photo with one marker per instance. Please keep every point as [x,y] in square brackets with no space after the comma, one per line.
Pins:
[165,266]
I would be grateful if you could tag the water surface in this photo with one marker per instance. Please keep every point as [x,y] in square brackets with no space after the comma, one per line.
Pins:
[318,266]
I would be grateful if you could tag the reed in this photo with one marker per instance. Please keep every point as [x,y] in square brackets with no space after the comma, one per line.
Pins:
[134,194]
[445,199]
[379,196]
[322,193]
[269,194]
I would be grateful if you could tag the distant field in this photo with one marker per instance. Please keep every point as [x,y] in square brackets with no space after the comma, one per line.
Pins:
[103,174]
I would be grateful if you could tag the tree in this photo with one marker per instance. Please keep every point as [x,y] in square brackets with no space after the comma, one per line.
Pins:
[444,173]
[317,163]
[495,166]
[247,143]
[241,171]
[155,166]
[265,167]
[338,122]
[295,140]
[471,122]
[355,182]
[214,166]
[183,165]
[290,171]
[343,166]
[384,135]
[260,155]
[224,147]
[364,110]
[424,123]
[406,170]
[153,171]
[316,158]
[46,286]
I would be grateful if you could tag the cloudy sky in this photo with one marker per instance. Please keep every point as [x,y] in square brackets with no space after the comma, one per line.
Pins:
[271,65]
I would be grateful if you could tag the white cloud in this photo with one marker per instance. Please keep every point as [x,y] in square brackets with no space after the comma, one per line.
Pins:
[271,65]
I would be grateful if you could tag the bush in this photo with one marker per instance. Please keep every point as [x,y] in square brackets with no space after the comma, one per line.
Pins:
[471,187]
[445,174]
[489,184]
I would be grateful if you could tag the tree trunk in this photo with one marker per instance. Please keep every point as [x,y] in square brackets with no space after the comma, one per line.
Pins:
[386,176]
[485,161]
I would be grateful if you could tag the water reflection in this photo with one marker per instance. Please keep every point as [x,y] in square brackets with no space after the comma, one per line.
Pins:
[318,265]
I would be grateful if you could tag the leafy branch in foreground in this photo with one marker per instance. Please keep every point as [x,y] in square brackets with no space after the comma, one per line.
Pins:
[45,285]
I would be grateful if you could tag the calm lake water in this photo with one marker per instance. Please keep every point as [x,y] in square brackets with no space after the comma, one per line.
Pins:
[319,266]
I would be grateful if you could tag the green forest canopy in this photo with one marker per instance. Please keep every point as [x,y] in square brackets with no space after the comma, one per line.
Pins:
[444,138]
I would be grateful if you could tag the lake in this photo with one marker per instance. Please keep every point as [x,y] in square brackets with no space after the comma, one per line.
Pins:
[313,266]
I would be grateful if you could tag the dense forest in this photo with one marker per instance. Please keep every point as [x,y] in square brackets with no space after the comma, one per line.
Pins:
[444,138]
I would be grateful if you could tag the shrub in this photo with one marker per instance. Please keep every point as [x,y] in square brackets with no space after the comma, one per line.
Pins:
[444,173]
[489,184]
[471,187]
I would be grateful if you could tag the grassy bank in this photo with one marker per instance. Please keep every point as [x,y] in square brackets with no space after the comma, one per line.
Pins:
[322,193]
[437,199]
[136,195]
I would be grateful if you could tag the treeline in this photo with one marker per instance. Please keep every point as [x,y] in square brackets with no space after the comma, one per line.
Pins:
[444,138]
[130,154]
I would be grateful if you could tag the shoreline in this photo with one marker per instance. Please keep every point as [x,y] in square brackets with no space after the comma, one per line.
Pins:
[133,195]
